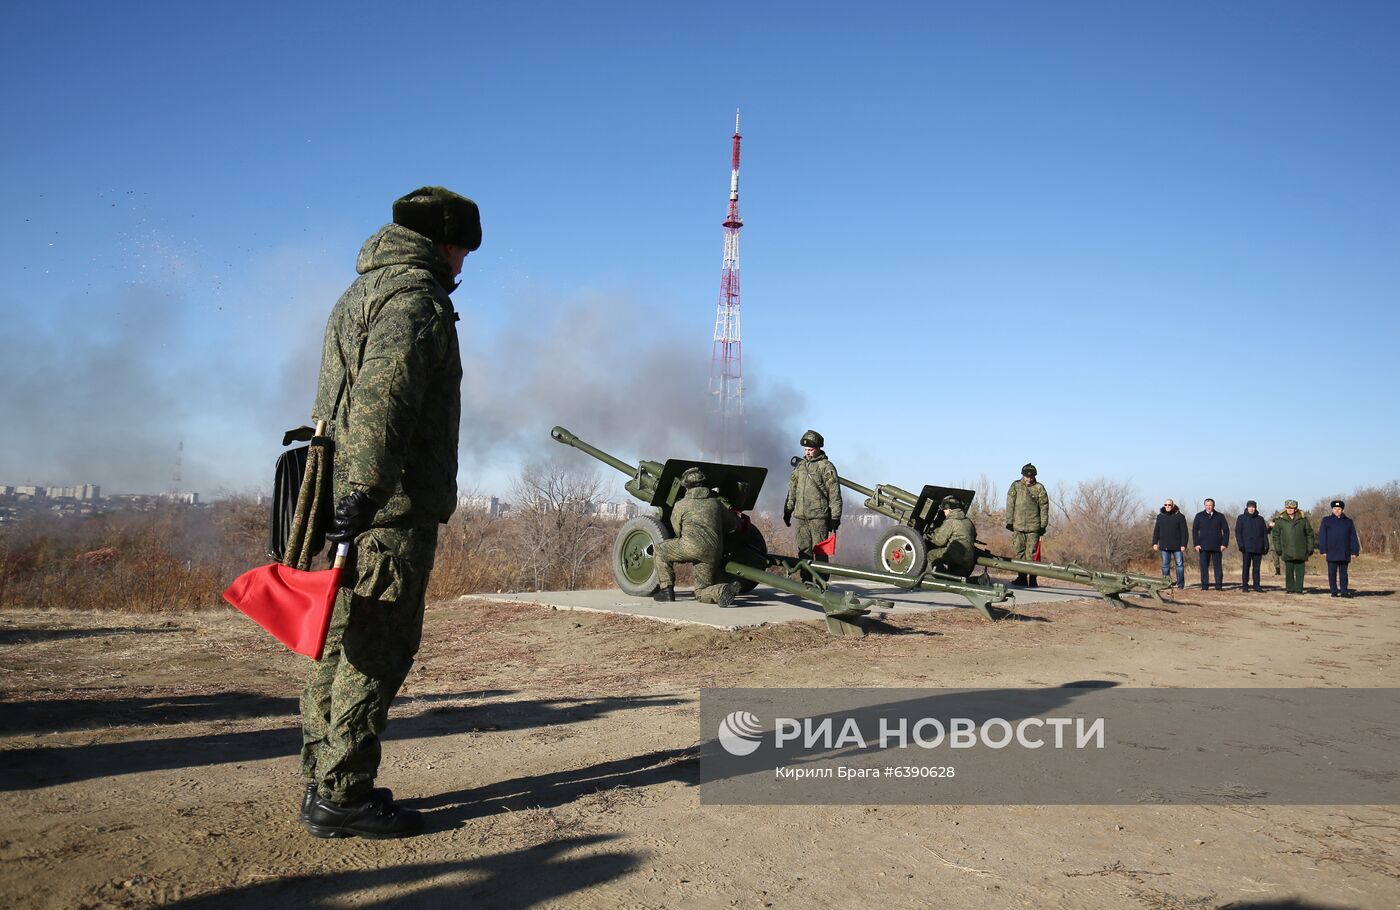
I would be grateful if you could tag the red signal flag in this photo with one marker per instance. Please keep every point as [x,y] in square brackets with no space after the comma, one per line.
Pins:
[827,547]
[293,605]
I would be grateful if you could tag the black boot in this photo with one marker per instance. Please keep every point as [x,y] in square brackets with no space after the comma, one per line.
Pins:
[726,595]
[665,595]
[1019,579]
[1031,582]
[376,817]
[307,799]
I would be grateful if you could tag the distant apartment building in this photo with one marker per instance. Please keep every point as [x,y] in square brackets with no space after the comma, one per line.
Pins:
[85,492]
[617,511]
[82,491]
[492,506]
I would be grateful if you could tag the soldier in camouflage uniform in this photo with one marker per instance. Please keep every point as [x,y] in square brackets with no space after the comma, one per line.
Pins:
[390,389]
[953,544]
[699,522]
[1027,517]
[814,497]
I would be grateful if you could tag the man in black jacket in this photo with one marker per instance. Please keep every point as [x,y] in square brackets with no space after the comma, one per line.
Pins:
[1252,537]
[1211,534]
[1168,538]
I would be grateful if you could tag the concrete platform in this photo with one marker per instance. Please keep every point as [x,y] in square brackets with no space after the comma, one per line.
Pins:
[765,605]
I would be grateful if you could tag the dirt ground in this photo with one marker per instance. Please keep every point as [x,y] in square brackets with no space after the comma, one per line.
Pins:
[150,761]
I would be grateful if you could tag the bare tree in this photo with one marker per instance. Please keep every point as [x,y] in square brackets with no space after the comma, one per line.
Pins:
[1103,523]
[557,532]
[987,505]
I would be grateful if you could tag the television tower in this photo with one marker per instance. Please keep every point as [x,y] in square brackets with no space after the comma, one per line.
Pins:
[726,440]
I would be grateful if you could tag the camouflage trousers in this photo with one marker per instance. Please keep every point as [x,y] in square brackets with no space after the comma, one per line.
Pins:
[810,532]
[1023,544]
[709,579]
[374,635]
[940,560]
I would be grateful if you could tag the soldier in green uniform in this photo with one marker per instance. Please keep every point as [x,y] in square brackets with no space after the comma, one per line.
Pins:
[699,522]
[390,391]
[953,544]
[1027,517]
[814,497]
[1293,540]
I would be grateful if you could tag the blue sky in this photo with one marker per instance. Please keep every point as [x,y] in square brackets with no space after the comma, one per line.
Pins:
[1155,243]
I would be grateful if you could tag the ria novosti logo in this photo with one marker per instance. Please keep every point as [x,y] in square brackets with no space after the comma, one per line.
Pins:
[740,733]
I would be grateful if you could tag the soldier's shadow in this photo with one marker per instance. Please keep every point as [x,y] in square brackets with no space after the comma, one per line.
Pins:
[556,788]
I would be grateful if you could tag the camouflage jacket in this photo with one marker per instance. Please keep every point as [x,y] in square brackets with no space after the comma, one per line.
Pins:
[390,384]
[1027,507]
[954,542]
[698,519]
[1293,538]
[814,491]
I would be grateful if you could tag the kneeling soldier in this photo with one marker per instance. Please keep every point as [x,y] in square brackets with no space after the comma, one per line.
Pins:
[698,521]
[953,544]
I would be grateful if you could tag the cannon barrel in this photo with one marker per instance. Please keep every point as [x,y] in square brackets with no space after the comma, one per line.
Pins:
[569,439]
[862,490]
[886,499]
[642,486]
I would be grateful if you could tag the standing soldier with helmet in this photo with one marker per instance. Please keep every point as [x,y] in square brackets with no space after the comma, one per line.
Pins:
[814,497]
[700,522]
[1027,517]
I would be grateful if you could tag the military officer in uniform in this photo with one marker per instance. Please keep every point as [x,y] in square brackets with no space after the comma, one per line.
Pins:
[699,521]
[953,544]
[814,497]
[390,391]
[1027,517]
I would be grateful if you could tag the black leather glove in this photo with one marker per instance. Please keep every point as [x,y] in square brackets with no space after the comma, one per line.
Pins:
[1009,528]
[834,524]
[787,517]
[353,516]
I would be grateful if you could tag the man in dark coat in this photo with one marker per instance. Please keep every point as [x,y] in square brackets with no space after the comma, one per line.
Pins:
[1338,542]
[1211,534]
[1252,537]
[1168,538]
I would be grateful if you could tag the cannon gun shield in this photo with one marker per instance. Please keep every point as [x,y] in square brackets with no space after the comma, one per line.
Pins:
[738,485]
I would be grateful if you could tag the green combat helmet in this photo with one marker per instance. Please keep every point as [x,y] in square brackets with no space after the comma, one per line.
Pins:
[1028,470]
[950,502]
[811,440]
[693,477]
[440,215]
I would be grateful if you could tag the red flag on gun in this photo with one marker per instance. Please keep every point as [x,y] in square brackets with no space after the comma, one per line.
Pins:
[293,605]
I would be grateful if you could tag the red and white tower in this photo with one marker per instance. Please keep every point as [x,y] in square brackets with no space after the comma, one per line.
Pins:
[726,438]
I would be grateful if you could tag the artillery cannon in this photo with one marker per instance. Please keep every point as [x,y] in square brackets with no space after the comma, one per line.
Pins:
[746,555]
[904,548]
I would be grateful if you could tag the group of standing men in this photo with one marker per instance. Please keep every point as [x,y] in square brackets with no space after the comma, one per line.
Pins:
[1289,534]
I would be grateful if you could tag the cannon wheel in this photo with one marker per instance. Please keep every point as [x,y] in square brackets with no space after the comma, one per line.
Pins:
[903,551]
[634,555]
[751,551]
